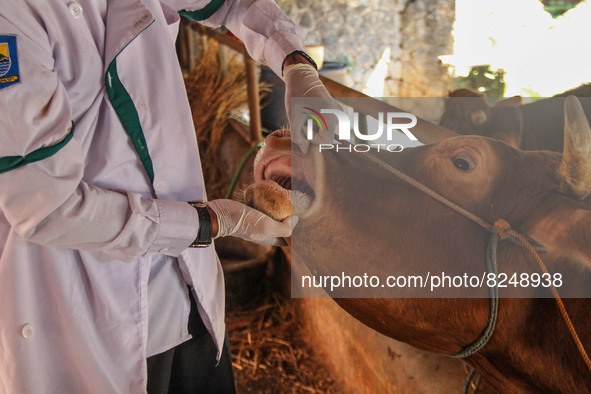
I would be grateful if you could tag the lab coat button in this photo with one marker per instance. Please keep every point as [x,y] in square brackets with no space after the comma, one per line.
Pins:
[27,331]
[75,10]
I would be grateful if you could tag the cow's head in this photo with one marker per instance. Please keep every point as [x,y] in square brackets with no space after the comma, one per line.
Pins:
[468,113]
[353,210]
[540,193]
[356,217]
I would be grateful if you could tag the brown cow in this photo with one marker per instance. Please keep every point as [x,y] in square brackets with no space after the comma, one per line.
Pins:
[533,126]
[346,226]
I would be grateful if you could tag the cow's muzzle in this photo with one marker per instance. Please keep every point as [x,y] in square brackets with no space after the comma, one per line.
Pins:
[284,182]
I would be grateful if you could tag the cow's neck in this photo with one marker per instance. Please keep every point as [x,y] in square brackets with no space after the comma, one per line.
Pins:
[429,324]
[526,352]
[532,349]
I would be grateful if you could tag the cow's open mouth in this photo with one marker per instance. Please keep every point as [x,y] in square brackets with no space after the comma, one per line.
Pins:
[299,190]
[284,183]
[294,185]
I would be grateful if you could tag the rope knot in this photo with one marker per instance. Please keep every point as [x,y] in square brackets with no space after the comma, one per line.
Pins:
[502,228]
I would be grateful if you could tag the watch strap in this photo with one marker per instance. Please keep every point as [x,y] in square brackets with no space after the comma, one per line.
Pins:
[203,239]
[305,55]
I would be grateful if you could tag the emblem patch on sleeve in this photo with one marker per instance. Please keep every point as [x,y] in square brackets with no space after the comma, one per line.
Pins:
[9,70]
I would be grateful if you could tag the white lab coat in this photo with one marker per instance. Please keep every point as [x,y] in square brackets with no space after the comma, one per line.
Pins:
[80,227]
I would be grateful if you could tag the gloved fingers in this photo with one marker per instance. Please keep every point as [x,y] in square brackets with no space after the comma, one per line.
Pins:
[299,134]
[272,242]
[297,78]
[305,98]
[315,88]
[313,121]
[266,227]
[299,71]
[240,220]
[292,222]
[229,214]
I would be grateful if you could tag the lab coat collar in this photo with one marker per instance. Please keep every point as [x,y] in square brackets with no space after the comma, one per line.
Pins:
[125,20]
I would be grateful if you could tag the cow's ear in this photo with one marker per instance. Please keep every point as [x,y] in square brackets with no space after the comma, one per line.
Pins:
[575,168]
[562,226]
[562,222]
[514,101]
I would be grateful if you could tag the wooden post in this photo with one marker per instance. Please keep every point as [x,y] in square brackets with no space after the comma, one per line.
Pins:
[254,106]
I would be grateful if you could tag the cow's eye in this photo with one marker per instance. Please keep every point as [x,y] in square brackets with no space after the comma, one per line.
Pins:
[463,162]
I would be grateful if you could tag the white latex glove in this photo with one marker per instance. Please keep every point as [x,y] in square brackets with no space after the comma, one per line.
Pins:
[240,220]
[305,92]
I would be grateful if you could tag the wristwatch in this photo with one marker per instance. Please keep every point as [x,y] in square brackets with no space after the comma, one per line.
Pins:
[304,55]
[203,239]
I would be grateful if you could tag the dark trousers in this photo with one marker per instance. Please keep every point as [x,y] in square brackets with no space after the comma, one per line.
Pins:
[191,366]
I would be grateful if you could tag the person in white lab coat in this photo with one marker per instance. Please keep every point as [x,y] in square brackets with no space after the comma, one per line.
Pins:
[98,160]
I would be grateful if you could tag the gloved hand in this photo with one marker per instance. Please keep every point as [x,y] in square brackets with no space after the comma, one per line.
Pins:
[303,84]
[240,220]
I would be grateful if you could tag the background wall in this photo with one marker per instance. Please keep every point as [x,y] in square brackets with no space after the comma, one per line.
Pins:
[358,31]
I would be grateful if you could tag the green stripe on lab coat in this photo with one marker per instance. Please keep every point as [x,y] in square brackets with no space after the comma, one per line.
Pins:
[203,13]
[12,162]
[127,113]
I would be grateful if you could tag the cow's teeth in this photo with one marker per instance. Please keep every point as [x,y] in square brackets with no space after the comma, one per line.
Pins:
[300,202]
[283,181]
[293,184]
[303,187]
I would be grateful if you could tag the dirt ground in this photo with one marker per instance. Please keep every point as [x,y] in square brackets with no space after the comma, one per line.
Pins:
[268,352]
